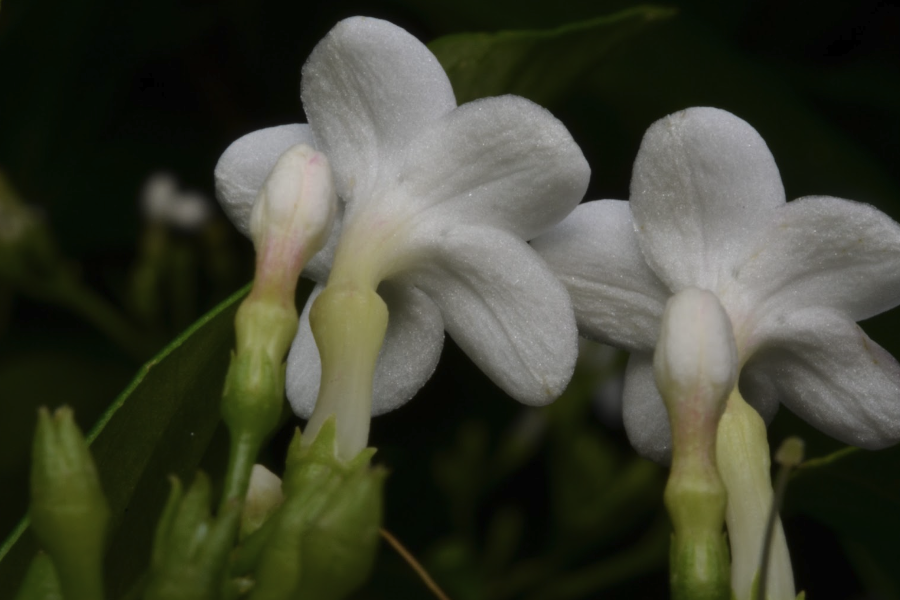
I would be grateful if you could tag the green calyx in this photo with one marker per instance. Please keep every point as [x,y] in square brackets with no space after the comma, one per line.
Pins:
[253,397]
[69,513]
[321,543]
[191,548]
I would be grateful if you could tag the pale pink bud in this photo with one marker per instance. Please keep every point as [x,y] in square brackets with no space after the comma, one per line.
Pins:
[294,211]
[696,361]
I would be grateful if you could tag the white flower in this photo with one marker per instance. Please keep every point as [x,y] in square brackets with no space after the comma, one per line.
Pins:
[438,201]
[708,210]
[163,202]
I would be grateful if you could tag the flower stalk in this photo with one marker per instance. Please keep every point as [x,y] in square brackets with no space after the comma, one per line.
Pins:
[743,461]
[695,367]
[349,324]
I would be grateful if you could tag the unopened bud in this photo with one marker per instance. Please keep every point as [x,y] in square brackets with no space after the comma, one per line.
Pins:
[27,251]
[69,513]
[190,549]
[41,582]
[324,542]
[164,203]
[294,211]
[264,496]
[696,366]
[696,355]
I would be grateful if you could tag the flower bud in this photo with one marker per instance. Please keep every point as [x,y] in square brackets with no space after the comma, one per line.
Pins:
[69,513]
[27,251]
[41,582]
[323,540]
[190,549]
[264,496]
[696,356]
[696,366]
[294,210]
[163,203]
[290,222]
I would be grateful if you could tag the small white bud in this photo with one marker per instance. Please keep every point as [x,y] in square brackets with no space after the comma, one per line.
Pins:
[164,203]
[696,358]
[264,495]
[296,205]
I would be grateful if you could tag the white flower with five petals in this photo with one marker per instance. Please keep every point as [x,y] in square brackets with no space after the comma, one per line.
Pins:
[437,204]
[708,210]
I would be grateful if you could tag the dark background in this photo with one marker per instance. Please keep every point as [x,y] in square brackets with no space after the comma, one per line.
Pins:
[95,95]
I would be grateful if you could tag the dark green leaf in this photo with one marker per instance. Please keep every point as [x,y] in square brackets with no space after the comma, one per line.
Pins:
[159,426]
[857,494]
[539,65]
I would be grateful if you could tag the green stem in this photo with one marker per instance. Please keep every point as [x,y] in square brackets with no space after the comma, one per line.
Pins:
[242,456]
[349,323]
[789,455]
[84,581]
[695,499]
[744,464]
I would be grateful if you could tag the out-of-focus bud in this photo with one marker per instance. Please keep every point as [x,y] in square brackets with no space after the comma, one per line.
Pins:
[41,582]
[294,212]
[695,366]
[191,547]
[164,203]
[696,356]
[27,252]
[69,513]
[323,541]
[264,496]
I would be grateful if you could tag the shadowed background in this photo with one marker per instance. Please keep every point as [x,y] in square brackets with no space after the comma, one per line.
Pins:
[97,95]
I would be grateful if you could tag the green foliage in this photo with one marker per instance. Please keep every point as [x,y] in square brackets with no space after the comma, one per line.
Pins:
[540,65]
[160,426]
[857,494]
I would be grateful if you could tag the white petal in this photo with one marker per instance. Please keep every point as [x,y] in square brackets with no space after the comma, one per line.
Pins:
[823,367]
[246,163]
[368,88]
[408,357]
[645,415]
[500,162]
[412,346]
[828,252]
[502,306]
[618,299]
[704,183]
[304,367]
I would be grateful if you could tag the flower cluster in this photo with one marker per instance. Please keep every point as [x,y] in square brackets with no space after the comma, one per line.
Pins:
[437,204]
[736,292]
[708,210]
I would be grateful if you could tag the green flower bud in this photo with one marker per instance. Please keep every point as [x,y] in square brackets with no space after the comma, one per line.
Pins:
[191,547]
[69,514]
[41,582]
[323,540]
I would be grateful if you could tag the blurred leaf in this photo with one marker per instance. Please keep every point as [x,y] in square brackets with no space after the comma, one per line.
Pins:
[539,65]
[160,425]
[857,494]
